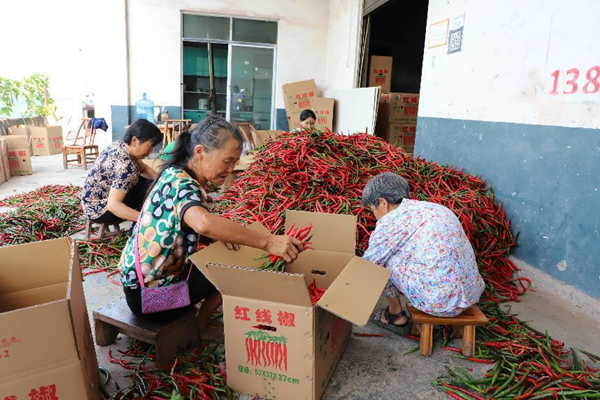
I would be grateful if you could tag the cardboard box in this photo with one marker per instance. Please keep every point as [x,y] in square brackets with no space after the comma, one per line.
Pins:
[4,166]
[296,97]
[19,156]
[46,140]
[380,72]
[401,108]
[400,135]
[46,347]
[323,109]
[278,345]
[21,130]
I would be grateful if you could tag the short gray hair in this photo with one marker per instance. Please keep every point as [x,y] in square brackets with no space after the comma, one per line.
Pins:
[387,186]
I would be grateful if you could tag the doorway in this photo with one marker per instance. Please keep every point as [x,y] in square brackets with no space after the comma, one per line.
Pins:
[396,29]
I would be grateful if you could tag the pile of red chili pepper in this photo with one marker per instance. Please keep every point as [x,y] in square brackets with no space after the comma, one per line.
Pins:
[50,212]
[326,172]
[276,263]
[101,255]
[196,374]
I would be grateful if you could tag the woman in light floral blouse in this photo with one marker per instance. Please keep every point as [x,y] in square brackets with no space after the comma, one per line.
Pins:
[425,247]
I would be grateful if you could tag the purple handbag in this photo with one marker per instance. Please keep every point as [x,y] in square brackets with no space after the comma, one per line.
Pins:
[160,298]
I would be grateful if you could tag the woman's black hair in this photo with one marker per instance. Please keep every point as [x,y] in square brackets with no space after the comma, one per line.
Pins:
[305,114]
[145,131]
[212,133]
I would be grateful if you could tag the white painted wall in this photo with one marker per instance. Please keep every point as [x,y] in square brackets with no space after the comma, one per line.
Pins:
[343,41]
[78,43]
[307,32]
[82,46]
[510,50]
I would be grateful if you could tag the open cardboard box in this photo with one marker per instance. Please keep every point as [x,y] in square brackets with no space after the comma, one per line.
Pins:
[46,348]
[278,345]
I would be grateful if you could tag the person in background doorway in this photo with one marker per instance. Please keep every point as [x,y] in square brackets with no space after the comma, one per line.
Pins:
[308,118]
[425,247]
[175,214]
[117,183]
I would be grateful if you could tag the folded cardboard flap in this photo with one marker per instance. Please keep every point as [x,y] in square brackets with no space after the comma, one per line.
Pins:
[35,266]
[23,298]
[218,253]
[355,292]
[250,283]
[330,232]
[42,335]
[17,142]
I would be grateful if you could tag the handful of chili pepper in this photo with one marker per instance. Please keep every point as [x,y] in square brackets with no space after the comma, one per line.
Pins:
[276,263]
[315,293]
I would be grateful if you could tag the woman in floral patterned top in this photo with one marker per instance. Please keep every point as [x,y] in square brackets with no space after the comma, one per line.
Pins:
[174,215]
[425,247]
[115,187]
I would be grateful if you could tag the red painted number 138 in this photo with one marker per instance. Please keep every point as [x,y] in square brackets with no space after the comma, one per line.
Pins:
[591,85]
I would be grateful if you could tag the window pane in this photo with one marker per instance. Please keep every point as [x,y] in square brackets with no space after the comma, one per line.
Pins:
[246,30]
[201,27]
[251,91]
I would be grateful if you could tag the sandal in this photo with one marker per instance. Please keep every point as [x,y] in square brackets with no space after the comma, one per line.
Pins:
[398,329]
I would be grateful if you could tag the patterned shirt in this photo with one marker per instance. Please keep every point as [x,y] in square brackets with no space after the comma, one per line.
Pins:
[164,243]
[430,257]
[114,168]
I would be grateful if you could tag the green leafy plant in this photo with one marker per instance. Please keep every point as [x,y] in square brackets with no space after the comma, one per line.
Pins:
[35,92]
[9,94]
[34,89]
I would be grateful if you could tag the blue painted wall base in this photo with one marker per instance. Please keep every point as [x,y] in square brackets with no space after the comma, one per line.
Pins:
[125,115]
[548,179]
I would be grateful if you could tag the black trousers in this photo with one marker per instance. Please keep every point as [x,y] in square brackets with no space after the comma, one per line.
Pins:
[134,199]
[200,288]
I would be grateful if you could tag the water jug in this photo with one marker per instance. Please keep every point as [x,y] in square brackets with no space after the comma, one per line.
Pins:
[145,109]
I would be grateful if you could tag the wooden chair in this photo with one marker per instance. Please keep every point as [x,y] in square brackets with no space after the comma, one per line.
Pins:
[85,152]
[249,132]
[469,319]
[168,335]
[174,127]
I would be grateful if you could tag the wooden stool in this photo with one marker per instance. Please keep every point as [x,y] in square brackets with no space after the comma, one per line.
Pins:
[470,318]
[168,336]
[103,229]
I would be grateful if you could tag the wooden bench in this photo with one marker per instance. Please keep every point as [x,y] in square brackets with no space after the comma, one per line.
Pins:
[168,336]
[469,319]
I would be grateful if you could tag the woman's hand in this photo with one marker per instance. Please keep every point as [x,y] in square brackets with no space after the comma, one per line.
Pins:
[284,246]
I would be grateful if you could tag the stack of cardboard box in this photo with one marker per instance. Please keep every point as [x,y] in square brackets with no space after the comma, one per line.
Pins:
[299,96]
[397,116]
[397,119]
[21,143]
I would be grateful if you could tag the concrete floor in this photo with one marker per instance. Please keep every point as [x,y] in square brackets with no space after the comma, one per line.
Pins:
[371,368]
